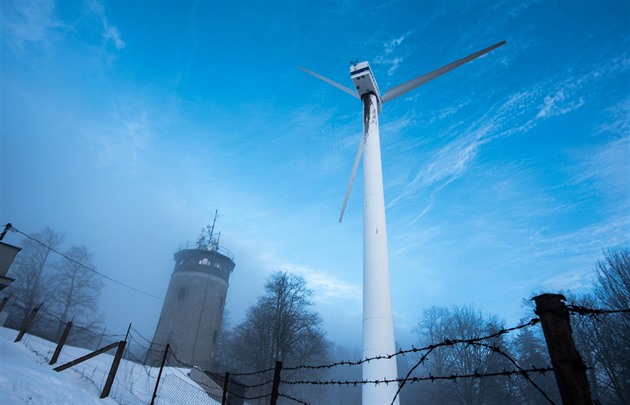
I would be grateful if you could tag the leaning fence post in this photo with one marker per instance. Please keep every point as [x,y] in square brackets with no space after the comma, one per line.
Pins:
[127,339]
[113,369]
[27,323]
[226,380]
[62,341]
[567,364]
[101,338]
[157,383]
[276,383]
[4,302]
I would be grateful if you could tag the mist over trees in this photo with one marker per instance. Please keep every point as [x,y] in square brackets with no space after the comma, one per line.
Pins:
[603,341]
[438,324]
[31,270]
[65,286]
[75,289]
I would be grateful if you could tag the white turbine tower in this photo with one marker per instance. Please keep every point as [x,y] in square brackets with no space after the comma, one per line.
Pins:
[378,324]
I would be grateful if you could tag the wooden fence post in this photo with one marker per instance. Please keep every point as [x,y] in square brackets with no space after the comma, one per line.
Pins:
[568,366]
[86,357]
[157,383]
[226,381]
[4,302]
[62,341]
[27,323]
[6,229]
[113,369]
[100,339]
[276,383]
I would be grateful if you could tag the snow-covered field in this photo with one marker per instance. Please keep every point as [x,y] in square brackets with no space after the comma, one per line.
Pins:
[26,377]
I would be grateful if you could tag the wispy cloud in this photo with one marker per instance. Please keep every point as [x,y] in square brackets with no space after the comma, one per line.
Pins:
[620,122]
[557,104]
[390,57]
[111,33]
[606,169]
[518,113]
[327,287]
[28,22]
[120,139]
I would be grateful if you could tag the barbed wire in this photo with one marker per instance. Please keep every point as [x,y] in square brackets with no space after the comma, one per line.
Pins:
[498,350]
[132,339]
[267,370]
[445,342]
[171,353]
[580,310]
[299,401]
[145,339]
[454,377]
[421,361]
[246,397]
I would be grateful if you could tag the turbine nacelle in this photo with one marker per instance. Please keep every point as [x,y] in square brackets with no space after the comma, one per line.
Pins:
[363,80]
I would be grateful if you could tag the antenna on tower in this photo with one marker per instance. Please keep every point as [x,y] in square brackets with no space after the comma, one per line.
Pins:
[206,239]
[214,222]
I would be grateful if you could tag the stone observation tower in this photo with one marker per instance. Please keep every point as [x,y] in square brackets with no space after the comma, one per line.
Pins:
[192,313]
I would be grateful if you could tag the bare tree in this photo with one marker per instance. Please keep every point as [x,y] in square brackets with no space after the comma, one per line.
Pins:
[31,272]
[604,341]
[77,287]
[440,324]
[279,326]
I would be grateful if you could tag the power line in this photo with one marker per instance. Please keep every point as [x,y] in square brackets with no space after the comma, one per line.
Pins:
[14,229]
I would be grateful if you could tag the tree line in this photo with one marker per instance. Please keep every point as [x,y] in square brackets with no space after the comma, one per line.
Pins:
[282,325]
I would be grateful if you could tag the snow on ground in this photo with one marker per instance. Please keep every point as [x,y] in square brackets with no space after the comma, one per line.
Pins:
[26,378]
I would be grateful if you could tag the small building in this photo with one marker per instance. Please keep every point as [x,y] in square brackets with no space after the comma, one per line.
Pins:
[7,254]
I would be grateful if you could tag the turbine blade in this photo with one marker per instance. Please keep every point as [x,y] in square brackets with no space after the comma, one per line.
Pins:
[420,80]
[354,172]
[333,83]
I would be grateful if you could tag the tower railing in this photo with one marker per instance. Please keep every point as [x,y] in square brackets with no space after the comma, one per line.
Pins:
[213,248]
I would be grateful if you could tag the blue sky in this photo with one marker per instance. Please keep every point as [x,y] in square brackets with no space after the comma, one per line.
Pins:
[126,124]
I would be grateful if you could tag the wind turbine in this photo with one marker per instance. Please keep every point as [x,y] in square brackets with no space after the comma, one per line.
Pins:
[378,324]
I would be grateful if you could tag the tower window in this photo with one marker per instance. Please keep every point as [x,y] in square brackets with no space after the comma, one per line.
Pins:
[180,294]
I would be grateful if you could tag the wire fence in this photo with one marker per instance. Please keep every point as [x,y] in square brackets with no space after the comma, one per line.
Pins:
[141,380]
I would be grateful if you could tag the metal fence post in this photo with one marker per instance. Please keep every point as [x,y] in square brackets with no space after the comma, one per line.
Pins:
[62,341]
[568,366]
[157,383]
[276,383]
